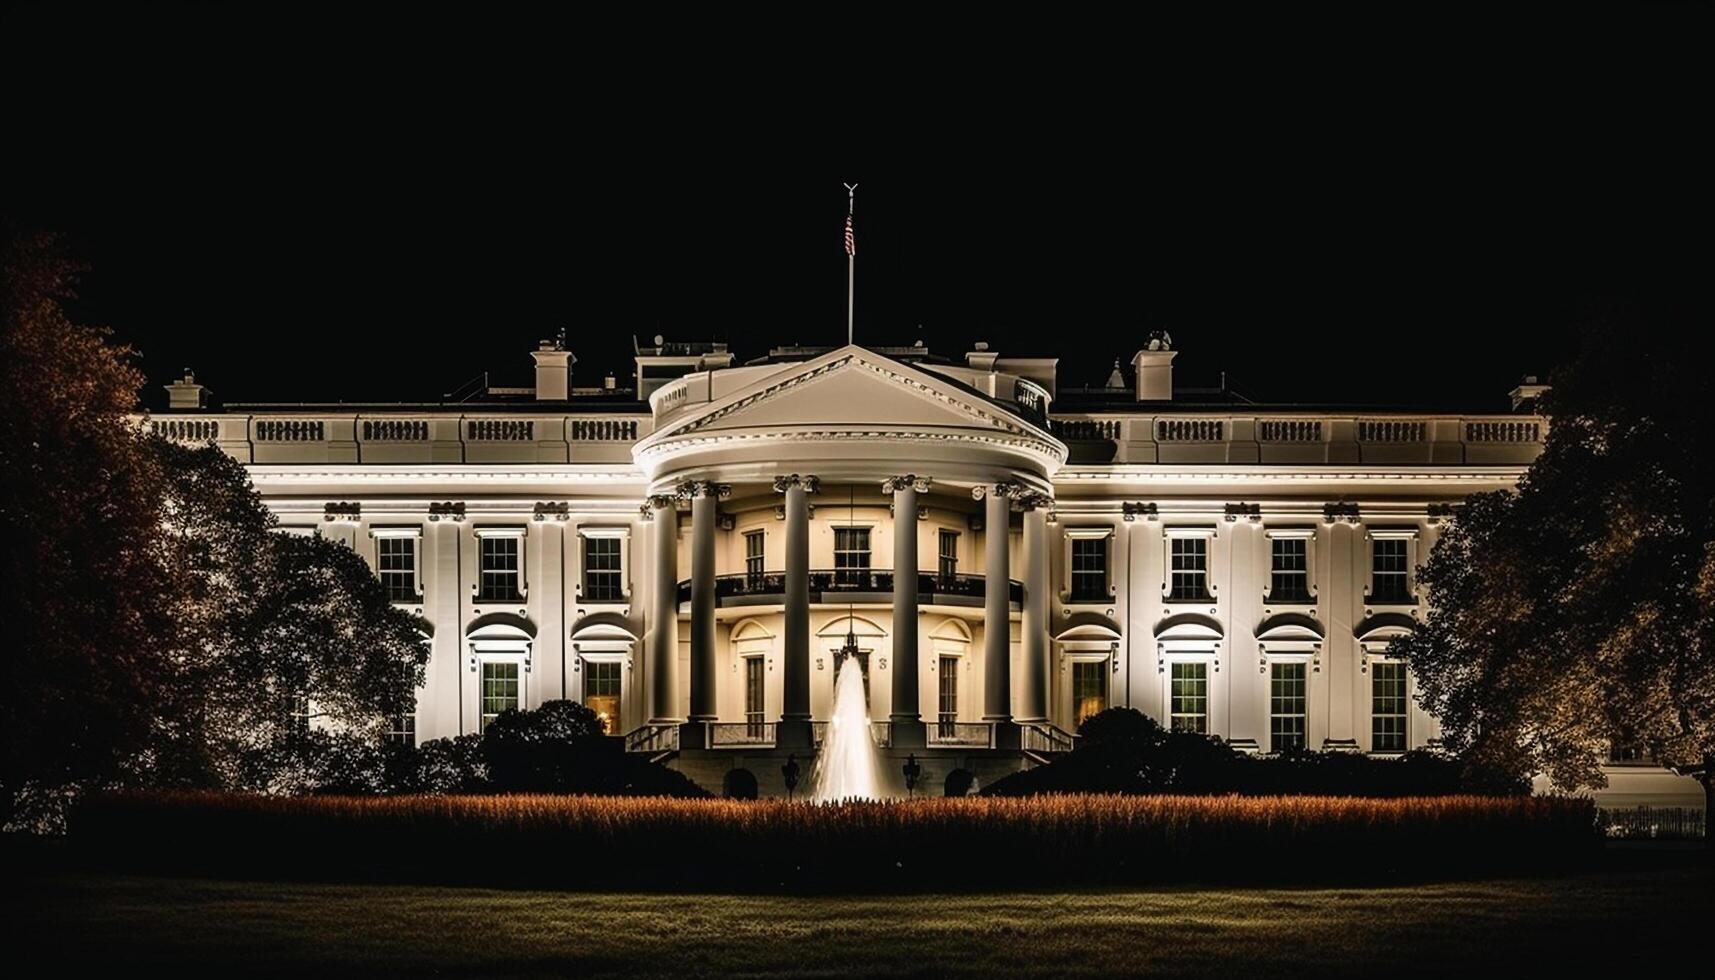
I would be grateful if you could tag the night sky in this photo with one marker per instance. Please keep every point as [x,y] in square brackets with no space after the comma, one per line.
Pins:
[303,207]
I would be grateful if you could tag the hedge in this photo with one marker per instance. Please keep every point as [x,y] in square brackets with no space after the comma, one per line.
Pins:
[605,843]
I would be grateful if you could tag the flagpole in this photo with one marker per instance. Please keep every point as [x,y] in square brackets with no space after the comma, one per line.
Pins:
[851,259]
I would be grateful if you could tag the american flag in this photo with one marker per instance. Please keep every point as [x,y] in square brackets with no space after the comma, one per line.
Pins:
[851,239]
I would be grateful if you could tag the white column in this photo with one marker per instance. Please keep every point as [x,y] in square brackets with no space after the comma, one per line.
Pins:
[907,718]
[663,637]
[997,629]
[703,494]
[794,728]
[1033,702]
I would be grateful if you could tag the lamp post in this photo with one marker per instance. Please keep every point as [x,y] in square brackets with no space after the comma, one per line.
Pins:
[789,772]
[913,772]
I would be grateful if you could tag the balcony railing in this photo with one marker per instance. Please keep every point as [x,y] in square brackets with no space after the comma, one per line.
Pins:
[652,739]
[740,734]
[968,734]
[853,581]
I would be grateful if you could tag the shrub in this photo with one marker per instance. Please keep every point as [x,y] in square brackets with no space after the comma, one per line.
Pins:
[739,784]
[959,782]
[1122,750]
[933,844]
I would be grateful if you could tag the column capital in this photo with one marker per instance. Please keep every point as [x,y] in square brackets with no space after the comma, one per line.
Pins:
[693,489]
[1006,488]
[1034,500]
[894,484]
[811,484]
[655,502]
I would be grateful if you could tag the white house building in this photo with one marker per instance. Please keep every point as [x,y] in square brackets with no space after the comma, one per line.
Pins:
[690,555]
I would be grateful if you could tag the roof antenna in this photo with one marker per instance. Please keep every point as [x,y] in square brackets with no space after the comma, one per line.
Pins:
[851,257]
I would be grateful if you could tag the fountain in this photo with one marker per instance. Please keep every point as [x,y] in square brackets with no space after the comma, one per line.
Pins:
[849,766]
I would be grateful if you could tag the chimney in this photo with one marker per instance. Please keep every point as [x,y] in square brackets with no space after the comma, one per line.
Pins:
[1525,396]
[553,370]
[610,383]
[186,395]
[1154,366]
[980,357]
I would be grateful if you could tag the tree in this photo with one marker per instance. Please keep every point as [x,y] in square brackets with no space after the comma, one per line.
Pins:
[1575,613]
[277,631]
[84,580]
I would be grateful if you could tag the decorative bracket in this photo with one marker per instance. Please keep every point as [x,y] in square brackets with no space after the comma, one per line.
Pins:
[447,511]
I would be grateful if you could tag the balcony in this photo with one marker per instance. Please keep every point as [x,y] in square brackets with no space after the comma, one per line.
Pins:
[830,586]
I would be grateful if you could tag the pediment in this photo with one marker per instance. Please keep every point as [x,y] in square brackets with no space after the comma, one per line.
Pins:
[851,388]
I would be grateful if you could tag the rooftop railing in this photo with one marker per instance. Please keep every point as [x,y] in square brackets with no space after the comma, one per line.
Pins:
[837,584]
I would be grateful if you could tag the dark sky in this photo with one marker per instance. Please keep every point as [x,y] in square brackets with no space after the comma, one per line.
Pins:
[306,206]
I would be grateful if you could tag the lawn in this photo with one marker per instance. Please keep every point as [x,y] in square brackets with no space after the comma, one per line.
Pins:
[1616,919]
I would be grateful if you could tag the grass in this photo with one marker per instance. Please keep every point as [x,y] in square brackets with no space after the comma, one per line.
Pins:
[934,845]
[1617,920]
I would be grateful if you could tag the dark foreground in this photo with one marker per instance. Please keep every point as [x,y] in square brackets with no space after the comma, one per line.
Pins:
[1647,907]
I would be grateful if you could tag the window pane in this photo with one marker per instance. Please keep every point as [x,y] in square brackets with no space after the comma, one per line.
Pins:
[949,695]
[851,555]
[1089,689]
[601,693]
[1190,569]
[753,567]
[1388,570]
[397,566]
[947,561]
[602,578]
[499,556]
[754,698]
[1286,702]
[1387,707]
[1289,579]
[1189,710]
[499,690]
[1090,569]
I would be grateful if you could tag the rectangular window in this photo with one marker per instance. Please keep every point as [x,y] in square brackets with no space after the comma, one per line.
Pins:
[1090,569]
[1387,706]
[1286,707]
[753,569]
[947,557]
[851,556]
[602,570]
[1190,569]
[1627,753]
[949,699]
[501,563]
[601,692]
[1089,689]
[1388,568]
[1189,710]
[403,729]
[755,713]
[396,560]
[1289,574]
[300,716]
[499,690]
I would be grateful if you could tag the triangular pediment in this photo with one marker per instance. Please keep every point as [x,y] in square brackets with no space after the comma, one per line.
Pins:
[851,387]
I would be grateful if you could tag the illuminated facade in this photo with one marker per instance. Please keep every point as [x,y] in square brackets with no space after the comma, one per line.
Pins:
[690,553]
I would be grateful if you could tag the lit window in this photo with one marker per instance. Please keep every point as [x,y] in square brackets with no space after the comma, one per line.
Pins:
[947,557]
[1089,689]
[1189,569]
[851,556]
[601,693]
[499,689]
[1289,573]
[753,559]
[501,568]
[1389,560]
[1286,707]
[1090,569]
[1387,706]
[602,570]
[1189,708]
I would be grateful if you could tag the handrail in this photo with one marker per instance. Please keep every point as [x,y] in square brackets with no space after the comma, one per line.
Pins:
[653,737]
